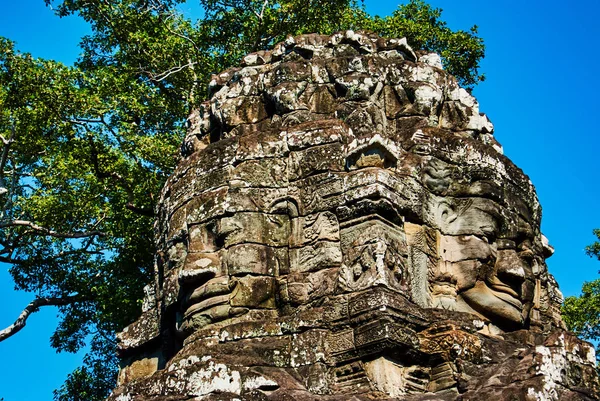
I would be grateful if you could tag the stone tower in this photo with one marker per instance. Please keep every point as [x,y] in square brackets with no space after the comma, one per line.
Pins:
[343,226]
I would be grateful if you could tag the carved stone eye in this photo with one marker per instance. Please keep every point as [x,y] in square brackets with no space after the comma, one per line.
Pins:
[287,206]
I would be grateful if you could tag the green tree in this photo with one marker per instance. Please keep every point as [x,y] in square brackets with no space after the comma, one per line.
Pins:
[461,51]
[76,196]
[582,313]
[86,149]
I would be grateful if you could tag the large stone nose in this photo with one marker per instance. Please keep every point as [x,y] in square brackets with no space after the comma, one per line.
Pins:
[548,249]
[510,271]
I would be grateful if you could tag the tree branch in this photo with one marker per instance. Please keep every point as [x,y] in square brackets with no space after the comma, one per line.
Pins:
[6,148]
[181,35]
[4,259]
[261,21]
[165,74]
[144,211]
[31,308]
[52,233]
[118,178]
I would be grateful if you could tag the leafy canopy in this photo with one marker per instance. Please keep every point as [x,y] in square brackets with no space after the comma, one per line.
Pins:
[582,313]
[86,149]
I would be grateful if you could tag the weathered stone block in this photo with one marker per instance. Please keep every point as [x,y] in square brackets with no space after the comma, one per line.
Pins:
[288,72]
[321,98]
[366,119]
[138,369]
[306,348]
[318,193]
[260,173]
[314,133]
[253,292]
[256,259]
[260,228]
[340,342]
[449,341]
[207,181]
[387,377]
[315,227]
[202,238]
[140,332]
[382,331]
[243,110]
[206,206]
[464,247]
[303,288]
[321,255]
[258,145]
[201,264]
[240,199]
[285,97]
[329,157]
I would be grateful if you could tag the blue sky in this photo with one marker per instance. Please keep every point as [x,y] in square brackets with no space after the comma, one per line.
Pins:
[541,93]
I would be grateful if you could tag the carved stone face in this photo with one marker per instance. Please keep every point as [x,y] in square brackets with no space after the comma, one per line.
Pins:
[316,220]
[236,269]
[233,261]
[487,243]
[342,219]
[490,275]
[305,183]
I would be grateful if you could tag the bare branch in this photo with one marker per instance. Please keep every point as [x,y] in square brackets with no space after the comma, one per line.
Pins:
[11,261]
[31,308]
[262,11]
[52,233]
[5,150]
[165,74]
[6,141]
[184,37]
[260,17]
[225,4]
[144,211]
[83,121]
[103,334]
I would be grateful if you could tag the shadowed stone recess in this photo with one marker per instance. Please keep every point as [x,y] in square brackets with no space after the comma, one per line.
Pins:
[344,226]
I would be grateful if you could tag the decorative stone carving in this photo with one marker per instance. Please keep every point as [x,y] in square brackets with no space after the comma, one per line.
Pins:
[375,254]
[343,226]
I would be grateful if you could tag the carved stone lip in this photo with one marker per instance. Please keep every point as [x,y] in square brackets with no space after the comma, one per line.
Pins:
[197,274]
[370,217]
[503,288]
[206,304]
[490,303]
[205,295]
[377,153]
[508,297]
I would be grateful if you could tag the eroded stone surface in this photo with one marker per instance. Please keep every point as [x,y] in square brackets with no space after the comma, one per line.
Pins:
[344,226]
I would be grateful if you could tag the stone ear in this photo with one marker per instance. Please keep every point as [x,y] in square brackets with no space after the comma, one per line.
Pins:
[445,214]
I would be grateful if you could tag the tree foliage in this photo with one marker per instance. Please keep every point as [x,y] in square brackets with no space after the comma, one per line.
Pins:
[420,23]
[582,313]
[87,148]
